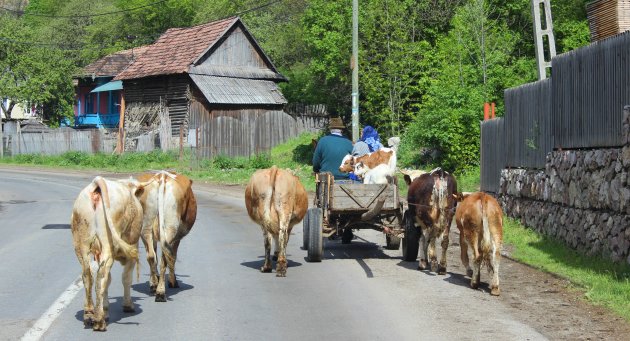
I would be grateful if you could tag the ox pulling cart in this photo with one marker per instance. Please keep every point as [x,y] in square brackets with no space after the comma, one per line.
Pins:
[343,206]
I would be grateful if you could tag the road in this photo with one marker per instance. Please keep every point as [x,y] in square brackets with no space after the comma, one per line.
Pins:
[359,292]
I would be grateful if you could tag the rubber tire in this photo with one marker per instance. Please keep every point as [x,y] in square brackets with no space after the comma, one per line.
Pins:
[346,236]
[305,231]
[392,242]
[315,241]
[411,242]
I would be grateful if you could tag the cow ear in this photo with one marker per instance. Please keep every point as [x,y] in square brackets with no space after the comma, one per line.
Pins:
[139,191]
[407,179]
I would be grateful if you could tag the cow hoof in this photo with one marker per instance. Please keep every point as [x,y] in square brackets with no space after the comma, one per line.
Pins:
[469,272]
[130,309]
[263,269]
[495,291]
[88,322]
[434,266]
[441,270]
[152,289]
[160,297]
[474,285]
[99,326]
[281,274]
[173,286]
[422,265]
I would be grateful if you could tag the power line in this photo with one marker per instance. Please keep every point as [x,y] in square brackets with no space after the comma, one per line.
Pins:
[76,46]
[18,12]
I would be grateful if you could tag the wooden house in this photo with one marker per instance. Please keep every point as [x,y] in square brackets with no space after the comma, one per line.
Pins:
[97,95]
[213,85]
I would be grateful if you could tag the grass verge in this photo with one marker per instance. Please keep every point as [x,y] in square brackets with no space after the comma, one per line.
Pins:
[605,283]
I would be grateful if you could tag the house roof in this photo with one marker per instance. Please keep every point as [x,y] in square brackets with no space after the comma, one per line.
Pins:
[226,90]
[112,64]
[177,49]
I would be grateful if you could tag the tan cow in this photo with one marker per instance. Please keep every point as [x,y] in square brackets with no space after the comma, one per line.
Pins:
[479,219]
[276,200]
[106,222]
[170,210]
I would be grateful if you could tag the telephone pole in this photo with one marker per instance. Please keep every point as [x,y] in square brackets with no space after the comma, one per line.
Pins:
[539,34]
[354,64]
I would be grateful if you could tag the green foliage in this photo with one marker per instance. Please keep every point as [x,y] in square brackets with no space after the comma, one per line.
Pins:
[260,161]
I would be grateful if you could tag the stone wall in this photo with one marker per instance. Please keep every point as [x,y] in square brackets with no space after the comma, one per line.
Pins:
[582,197]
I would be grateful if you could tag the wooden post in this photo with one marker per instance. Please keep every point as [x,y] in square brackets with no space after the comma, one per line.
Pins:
[181,143]
[486,109]
[1,138]
[120,148]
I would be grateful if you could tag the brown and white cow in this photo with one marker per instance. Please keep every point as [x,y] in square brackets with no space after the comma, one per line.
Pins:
[479,219]
[431,203]
[106,222]
[276,200]
[377,167]
[170,210]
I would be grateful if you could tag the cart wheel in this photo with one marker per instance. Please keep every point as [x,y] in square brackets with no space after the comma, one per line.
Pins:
[305,231]
[392,242]
[315,242]
[411,242]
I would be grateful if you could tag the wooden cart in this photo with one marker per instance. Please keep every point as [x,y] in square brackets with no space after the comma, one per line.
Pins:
[343,206]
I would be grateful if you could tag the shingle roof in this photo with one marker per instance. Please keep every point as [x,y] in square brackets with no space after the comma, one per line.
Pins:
[113,64]
[176,49]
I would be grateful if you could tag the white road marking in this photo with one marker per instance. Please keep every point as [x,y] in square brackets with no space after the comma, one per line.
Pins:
[45,321]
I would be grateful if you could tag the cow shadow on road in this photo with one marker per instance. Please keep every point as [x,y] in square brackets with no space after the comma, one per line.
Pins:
[257,264]
[144,287]
[116,314]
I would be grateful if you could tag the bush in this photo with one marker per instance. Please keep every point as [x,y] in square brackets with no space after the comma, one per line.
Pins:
[260,161]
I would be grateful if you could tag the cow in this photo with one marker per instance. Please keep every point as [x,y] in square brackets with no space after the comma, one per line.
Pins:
[170,210]
[431,205]
[276,200]
[369,162]
[479,219]
[106,222]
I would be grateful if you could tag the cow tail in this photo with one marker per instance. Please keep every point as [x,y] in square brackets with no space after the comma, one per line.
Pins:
[486,248]
[129,250]
[167,251]
[273,174]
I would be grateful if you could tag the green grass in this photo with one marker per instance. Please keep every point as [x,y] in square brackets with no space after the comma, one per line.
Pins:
[605,283]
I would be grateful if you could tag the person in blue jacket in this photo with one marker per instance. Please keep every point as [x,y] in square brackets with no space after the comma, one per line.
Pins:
[331,149]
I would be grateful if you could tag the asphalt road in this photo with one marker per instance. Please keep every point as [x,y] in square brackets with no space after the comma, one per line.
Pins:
[358,292]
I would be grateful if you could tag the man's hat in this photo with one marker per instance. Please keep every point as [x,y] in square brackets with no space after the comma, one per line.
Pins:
[336,123]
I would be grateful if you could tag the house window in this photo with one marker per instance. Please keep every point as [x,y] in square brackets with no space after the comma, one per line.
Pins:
[89,104]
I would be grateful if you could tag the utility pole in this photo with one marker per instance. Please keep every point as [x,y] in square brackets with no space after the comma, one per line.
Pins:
[539,34]
[354,64]
[1,137]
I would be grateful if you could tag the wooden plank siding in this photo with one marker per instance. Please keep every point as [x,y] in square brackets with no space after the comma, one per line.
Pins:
[244,132]
[57,142]
[528,136]
[360,197]
[172,90]
[236,50]
[590,87]
[493,148]
[579,107]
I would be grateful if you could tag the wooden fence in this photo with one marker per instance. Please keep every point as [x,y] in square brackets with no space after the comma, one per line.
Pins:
[60,141]
[580,106]
[245,132]
[492,154]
